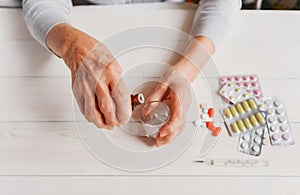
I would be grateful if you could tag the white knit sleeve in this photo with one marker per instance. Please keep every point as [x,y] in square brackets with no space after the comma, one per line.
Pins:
[41,15]
[213,19]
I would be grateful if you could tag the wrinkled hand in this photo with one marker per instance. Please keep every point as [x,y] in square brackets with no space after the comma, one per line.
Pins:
[175,89]
[175,86]
[97,82]
[100,91]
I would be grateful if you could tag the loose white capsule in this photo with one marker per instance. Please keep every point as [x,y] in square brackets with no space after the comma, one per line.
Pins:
[203,106]
[197,123]
[204,116]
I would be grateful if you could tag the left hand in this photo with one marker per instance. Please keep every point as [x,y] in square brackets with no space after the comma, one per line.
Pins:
[175,88]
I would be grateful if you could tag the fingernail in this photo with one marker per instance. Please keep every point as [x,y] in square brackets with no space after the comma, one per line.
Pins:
[123,120]
[158,144]
[163,134]
[109,127]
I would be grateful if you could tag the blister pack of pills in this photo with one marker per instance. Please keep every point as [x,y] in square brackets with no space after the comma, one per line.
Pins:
[249,83]
[279,128]
[242,117]
[234,93]
[251,142]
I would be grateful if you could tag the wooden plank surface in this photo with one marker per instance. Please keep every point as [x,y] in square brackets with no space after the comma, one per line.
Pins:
[39,144]
[53,148]
[276,45]
[149,186]
[50,99]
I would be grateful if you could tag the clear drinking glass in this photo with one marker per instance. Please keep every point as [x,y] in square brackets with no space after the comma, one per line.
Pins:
[153,116]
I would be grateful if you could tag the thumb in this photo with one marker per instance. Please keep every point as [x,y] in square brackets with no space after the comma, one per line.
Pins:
[156,96]
[158,93]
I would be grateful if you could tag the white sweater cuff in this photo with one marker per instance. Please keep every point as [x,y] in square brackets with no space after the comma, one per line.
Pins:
[42,15]
[213,19]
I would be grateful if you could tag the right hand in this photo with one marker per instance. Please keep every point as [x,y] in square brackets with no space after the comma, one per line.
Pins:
[97,83]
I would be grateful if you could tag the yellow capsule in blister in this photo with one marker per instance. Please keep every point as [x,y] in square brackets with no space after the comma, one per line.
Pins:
[247,123]
[233,111]
[239,108]
[227,113]
[237,89]
[261,105]
[260,118]
[234,127]
[253,120]
[252,103]
[246,106]
[245,94]
[241,125]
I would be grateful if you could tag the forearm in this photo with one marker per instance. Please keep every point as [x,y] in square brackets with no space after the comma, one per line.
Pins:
[211,24]
[42,15]
[196,55]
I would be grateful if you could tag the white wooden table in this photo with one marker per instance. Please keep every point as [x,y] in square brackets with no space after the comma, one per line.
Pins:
[40,152]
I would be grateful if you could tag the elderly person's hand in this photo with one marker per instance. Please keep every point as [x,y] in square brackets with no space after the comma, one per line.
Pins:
[97,81]
[175,85]
[175,89]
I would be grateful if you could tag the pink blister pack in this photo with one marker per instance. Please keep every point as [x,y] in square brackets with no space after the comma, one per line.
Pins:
[249,83]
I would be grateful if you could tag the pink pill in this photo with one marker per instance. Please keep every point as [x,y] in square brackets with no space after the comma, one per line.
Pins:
[246,77]
[259,97]
[253,77]
[238,78]
[231,78]
[255,84]
[250,91]
[223,78]
[222,82]
[239,84]
[247,84]
[256,92]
